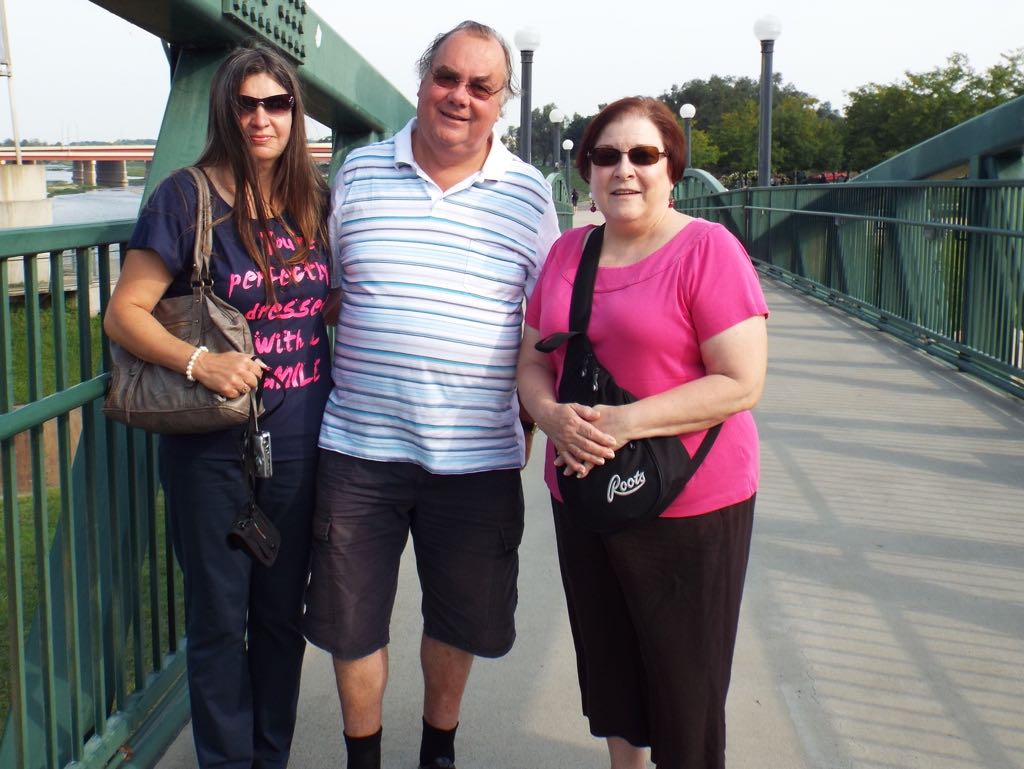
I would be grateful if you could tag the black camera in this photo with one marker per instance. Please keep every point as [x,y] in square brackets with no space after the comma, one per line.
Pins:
[262,459]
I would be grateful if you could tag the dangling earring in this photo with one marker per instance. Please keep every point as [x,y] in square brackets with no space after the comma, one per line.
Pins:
[593,207]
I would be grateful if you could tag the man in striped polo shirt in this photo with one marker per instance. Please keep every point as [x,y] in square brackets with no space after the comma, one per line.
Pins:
[438,236]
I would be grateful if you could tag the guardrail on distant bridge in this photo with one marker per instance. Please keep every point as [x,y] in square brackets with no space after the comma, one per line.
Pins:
[320,151]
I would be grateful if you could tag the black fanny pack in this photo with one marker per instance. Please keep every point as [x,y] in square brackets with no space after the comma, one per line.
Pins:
[646,474]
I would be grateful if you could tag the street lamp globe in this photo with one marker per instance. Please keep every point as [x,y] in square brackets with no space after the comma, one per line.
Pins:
[768,28]
[687,111]
[556,116]
[528,39]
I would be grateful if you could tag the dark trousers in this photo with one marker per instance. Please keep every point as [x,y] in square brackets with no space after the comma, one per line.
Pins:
[653,611]
[242,619]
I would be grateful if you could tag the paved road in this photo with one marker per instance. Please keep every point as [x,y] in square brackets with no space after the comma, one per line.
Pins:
[883,624]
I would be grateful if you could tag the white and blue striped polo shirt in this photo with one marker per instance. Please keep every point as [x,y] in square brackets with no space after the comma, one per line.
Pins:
[434,283]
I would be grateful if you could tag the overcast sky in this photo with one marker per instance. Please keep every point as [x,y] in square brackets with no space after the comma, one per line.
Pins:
[81,73]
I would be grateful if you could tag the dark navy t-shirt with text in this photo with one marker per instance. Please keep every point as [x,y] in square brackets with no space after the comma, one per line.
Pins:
[289,334]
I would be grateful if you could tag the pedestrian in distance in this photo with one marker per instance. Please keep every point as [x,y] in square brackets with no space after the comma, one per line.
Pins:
[269,206]
[679,320]
[437,237]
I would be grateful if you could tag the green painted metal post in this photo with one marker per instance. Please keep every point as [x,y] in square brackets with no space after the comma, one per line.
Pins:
[181,141]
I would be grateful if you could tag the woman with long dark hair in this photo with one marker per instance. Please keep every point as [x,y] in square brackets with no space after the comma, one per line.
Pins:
[245,647]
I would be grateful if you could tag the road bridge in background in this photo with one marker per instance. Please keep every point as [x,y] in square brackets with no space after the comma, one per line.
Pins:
[319,151]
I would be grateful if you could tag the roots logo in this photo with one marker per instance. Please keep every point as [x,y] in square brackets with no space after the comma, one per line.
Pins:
[617,487]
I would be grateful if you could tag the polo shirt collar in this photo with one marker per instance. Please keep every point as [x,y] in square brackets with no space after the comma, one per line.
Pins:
[497,162]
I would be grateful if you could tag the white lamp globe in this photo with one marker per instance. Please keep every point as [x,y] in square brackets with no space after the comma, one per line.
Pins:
[768,28]
[528,39]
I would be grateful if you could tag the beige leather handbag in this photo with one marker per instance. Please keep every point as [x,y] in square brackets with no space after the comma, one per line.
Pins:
[161,400]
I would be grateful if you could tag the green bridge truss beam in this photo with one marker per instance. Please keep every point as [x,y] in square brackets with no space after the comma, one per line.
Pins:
[342,90]
[989,146]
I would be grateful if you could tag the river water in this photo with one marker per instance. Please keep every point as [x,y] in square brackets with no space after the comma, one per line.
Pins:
[102,205]
[97,205]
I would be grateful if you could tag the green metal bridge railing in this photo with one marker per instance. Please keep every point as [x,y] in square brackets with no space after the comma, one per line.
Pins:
[563,204]
[940,264]
[91,620]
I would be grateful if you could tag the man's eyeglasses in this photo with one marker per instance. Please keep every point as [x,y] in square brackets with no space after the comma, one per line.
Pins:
[449,81]
[275,105]
[643,155]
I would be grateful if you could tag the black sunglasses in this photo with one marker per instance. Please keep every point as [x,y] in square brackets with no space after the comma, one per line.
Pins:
[449,81]
[275,105]
[643,155]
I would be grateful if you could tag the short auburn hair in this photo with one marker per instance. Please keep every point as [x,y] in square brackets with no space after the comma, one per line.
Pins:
[644,107]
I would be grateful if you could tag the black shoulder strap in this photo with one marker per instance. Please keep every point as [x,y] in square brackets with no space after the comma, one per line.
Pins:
[583,286]
[582,294]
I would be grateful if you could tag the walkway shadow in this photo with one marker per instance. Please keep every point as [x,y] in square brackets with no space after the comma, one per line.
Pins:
[888,565]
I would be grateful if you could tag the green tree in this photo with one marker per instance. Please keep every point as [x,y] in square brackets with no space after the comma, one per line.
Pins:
[713,98]
[511,139]
[736,137]
[804,131]
[704,153]
[885,119]
[542,137]
[803,137]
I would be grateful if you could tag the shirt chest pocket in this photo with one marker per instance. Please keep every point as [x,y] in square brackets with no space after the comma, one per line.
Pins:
[494,272]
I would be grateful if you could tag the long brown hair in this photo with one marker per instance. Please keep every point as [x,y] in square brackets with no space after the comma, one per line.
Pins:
[297,183]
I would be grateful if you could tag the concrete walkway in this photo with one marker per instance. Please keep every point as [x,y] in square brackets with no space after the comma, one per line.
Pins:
[883,622]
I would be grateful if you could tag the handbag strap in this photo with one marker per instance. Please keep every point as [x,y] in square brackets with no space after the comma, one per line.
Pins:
[583,286]
[582,295]
[248,446]
[204,231]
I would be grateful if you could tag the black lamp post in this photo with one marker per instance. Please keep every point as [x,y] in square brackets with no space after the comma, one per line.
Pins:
[567,145]
[527,41]
[767,29]
[686,112]
[556,117]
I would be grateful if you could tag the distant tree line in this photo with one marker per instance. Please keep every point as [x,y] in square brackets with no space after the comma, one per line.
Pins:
[810,136]
[86,143]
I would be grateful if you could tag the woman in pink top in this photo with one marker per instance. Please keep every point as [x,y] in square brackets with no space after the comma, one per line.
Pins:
[678,317]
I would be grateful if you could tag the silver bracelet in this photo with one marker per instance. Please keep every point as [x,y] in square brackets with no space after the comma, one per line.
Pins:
[192,361]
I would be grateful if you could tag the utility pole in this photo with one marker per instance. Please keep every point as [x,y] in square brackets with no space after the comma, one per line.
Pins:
[7,71]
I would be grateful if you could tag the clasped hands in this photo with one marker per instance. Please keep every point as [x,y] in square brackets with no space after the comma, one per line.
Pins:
[229,374]
[579,443]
